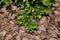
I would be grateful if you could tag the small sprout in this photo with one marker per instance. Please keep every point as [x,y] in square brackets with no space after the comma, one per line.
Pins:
[39,16]
[33,10]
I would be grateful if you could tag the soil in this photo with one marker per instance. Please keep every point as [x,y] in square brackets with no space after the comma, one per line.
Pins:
[49,27]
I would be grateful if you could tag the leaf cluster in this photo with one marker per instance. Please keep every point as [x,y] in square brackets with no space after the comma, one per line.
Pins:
[4,3]
[34,8]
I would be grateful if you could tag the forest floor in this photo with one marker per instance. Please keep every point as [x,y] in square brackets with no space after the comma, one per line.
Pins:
[49,27]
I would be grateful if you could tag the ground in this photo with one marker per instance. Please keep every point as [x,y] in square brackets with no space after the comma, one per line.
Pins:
[49,26]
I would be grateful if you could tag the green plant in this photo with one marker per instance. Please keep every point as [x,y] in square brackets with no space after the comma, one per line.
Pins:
[4,3]
[34,8]
[26,21]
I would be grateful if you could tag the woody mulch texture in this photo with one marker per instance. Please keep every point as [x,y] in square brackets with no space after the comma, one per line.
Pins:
[49,27]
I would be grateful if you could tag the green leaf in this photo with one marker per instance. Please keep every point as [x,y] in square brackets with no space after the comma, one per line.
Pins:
[7,3]
[46,2]
[57,0]
[19,22]
[1,1]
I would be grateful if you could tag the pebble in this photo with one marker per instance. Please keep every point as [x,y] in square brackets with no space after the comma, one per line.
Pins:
[43,20]
[58,9]
[43,35]
[56,4]
[37,32]
[18,37]
[53,8]
[56,13]
[14,7]
[53,35]
[9,37]
[4,33]
[42,28]
[52,39]
[37,38]
[11,22]
[25,38]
